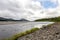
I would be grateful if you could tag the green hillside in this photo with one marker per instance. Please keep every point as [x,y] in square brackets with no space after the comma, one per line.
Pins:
[56,19]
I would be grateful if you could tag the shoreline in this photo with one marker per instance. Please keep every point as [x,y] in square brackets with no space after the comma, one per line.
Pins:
[50,32]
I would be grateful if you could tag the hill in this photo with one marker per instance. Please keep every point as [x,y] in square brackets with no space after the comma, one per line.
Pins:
[56,19]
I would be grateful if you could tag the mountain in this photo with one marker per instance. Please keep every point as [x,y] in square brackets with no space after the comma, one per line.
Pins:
[23,20]
[5,19]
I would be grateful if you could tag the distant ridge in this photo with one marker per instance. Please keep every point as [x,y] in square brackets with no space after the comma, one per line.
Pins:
[55,19]
[23,20]
[6,19]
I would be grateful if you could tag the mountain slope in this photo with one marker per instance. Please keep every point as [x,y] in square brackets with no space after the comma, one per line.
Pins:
[5,19]
[56,19]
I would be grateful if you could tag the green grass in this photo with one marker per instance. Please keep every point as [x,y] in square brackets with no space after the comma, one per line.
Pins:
[56,19]
[15,37]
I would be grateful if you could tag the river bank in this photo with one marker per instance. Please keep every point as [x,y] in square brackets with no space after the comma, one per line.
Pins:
[51,32]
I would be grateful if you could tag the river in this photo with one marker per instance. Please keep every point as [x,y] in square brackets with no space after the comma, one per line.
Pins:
[8,29]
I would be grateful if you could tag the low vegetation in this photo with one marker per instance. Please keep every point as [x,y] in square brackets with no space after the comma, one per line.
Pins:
[56,19]
[15,37]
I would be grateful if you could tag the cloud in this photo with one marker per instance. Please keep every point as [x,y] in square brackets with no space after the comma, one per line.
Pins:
[27,9]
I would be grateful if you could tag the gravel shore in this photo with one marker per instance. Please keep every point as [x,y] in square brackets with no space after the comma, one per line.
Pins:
[46,33]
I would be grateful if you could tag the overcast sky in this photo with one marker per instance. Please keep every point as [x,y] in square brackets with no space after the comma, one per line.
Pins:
[29,9]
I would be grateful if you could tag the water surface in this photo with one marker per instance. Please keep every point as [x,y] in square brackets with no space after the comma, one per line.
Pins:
[9,30]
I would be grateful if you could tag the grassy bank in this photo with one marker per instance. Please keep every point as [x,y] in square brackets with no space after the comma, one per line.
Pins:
[56,19]
[15,37]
